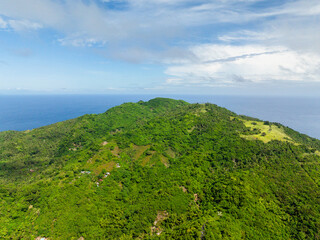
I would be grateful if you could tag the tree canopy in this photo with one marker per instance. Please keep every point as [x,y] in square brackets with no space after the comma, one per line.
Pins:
[162,169]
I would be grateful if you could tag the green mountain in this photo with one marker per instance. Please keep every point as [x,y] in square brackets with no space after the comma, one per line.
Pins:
[162,169]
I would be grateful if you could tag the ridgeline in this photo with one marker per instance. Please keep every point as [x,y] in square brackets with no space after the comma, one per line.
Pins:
[162,169]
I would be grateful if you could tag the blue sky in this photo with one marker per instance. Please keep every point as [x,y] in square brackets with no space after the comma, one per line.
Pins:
[237,47]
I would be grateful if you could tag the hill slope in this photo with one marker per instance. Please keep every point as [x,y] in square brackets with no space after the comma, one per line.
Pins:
[162,169]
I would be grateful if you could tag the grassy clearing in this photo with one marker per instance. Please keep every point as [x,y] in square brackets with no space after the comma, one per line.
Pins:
[164,160]
[171,153]
[266,133]
[139,150]
[191,129]
[107,166]
[115,151]
[202,109]
[317,153]
[146,160]
[104,159]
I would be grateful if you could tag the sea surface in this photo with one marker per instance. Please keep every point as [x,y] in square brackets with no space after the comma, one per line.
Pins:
[28,112]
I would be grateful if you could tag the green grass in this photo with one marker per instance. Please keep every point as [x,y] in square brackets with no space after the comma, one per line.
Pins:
[266,133]
[139,150]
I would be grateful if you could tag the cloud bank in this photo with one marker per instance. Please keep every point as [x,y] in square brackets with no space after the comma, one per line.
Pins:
[207,42]
[228,65]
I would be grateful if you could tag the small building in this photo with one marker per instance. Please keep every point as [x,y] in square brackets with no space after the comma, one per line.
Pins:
[106,175]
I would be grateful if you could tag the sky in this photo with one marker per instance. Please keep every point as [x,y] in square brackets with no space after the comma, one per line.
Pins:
[228,47]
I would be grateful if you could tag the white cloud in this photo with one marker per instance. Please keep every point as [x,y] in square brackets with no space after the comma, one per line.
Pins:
[300,8]
[46,12]
[3,24]
[247,35]
[142,20]
[227,64]
[294,25]
[78,41]
[24,25]
[19,24]
[285,48]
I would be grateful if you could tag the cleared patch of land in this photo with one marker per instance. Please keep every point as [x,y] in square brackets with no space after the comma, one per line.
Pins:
[103,160]
[139,150]
[164,160]
[147,159]
[107,166]
[317,153]
[266,132]
[191,129]
[202,109]
[171,153]
[115,151]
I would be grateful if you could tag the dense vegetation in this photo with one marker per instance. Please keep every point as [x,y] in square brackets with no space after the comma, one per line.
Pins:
[162,169]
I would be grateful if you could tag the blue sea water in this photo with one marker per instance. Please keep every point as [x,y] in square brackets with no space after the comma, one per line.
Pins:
[28,112]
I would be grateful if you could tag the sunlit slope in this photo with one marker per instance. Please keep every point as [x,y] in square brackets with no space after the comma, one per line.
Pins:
[162,169]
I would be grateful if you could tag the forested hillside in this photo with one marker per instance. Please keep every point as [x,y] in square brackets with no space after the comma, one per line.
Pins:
[163,169]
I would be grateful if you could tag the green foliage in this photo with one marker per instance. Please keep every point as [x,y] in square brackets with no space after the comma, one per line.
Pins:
[162,169]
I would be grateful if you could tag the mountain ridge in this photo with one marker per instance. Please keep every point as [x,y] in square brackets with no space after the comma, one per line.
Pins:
[162,169]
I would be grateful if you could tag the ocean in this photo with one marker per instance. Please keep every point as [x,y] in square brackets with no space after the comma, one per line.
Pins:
[25,112]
